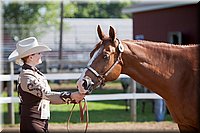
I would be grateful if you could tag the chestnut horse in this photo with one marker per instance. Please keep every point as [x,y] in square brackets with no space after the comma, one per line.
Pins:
[169,70]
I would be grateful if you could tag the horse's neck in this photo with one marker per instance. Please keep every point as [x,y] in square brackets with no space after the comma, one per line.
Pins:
[150,63]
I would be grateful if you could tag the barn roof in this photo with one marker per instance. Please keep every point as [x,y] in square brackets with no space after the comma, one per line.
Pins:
[142,7]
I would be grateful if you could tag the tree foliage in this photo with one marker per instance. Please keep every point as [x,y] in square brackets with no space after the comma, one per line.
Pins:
[24,19]
[96,10]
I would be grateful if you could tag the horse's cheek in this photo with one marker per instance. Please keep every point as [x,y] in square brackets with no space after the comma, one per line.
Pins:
[118,70]
[114,74]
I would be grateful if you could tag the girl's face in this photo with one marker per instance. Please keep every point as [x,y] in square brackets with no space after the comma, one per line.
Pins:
[35,59]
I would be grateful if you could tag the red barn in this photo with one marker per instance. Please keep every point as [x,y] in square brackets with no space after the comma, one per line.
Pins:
[176,23]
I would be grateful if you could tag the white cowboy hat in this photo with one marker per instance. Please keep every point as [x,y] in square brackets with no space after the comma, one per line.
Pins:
[27,47]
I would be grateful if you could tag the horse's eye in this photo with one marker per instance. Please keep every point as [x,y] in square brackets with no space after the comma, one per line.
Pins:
[106,56]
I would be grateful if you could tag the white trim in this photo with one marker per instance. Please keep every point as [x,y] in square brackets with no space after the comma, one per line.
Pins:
[155,7]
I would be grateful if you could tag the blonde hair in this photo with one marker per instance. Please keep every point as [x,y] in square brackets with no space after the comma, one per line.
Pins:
[21,61]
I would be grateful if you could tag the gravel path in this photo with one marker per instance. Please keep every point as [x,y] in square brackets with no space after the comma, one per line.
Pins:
[109,127]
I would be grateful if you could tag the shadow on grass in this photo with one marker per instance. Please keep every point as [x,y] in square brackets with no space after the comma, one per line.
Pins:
[108,115]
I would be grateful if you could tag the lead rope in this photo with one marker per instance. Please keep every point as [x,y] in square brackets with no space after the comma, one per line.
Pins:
[82,111]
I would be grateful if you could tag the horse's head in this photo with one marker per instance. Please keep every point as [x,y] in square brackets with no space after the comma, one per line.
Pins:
[105,62]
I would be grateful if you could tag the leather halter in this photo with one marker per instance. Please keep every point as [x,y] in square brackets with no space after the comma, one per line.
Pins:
[101,77]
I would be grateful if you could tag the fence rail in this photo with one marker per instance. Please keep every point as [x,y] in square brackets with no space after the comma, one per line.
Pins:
[98,97]
[69,76]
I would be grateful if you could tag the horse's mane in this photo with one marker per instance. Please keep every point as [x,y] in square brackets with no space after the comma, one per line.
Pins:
[162,45]
[189,52]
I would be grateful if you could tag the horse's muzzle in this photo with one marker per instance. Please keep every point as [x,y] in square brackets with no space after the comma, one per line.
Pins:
[85,85]
[88,85]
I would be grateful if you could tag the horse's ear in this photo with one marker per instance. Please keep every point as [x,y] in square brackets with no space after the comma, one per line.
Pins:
[112,33]
[100,33]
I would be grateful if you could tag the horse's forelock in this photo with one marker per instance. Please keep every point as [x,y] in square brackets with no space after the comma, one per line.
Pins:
[98,45]
[95,49]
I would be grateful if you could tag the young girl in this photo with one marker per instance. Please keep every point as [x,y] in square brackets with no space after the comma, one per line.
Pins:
[34,92]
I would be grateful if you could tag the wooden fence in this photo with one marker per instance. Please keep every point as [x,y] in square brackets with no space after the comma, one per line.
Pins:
[133,96]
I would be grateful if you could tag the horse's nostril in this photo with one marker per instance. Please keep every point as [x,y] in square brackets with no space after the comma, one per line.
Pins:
[87,84]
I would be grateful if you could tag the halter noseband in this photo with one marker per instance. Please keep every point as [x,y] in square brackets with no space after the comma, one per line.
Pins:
[101,77]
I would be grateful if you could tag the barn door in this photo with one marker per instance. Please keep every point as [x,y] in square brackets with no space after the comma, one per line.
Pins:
[175,37]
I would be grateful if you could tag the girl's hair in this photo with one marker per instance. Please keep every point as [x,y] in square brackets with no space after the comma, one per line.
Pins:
[21,61]
[24,59]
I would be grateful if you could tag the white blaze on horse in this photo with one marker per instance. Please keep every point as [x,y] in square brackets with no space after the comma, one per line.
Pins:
[168,70]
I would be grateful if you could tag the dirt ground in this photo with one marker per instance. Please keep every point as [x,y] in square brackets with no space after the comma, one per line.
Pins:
[108,127]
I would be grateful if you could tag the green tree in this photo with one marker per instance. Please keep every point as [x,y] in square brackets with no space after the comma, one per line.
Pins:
[25,19]
[96,10]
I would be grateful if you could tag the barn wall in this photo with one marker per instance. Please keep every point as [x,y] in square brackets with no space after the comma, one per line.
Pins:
[155,25]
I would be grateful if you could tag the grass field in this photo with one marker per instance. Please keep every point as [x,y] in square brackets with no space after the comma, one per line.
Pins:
[100,111]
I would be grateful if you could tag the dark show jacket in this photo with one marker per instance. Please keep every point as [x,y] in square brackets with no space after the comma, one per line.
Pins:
[35,94]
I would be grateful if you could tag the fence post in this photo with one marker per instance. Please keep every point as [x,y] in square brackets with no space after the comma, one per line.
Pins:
[11,111]
[133,102]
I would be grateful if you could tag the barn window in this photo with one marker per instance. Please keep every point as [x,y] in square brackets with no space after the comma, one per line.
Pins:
[139,37]
[175,37]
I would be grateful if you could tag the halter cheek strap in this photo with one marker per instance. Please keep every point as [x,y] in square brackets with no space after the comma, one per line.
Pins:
[93,71]
[101,78]
[112,67]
